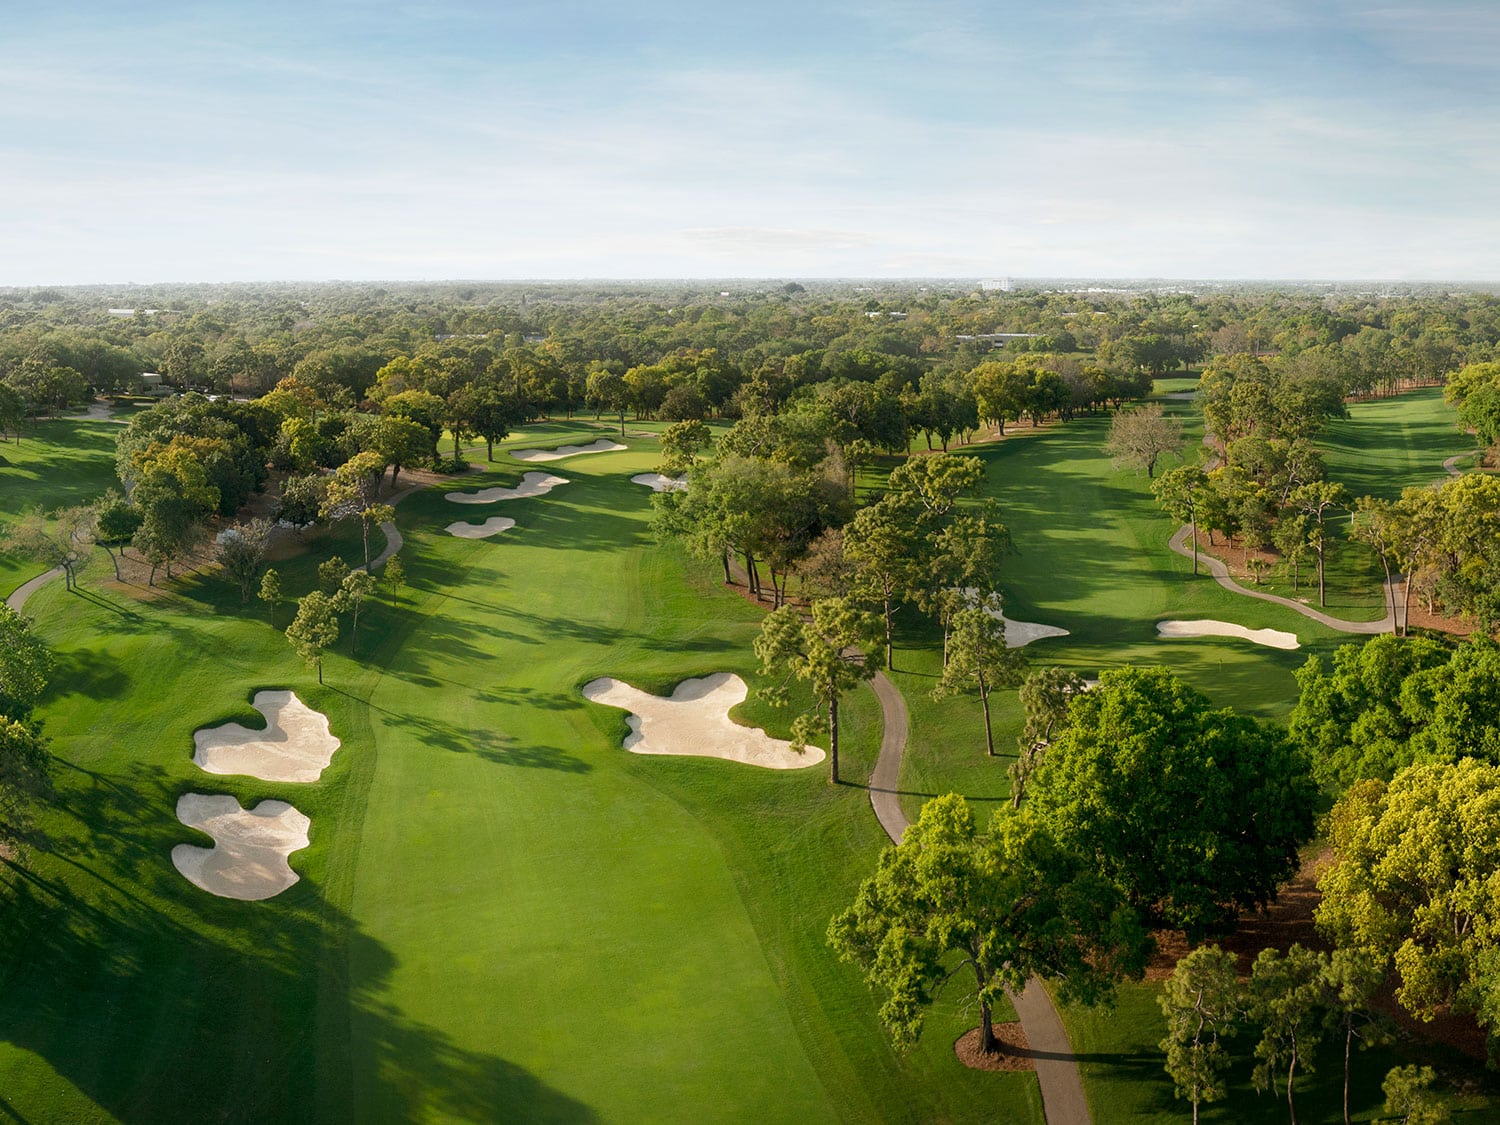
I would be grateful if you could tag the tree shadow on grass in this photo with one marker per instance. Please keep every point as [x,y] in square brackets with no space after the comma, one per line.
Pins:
[491,745]
[159,1002]
[90,673]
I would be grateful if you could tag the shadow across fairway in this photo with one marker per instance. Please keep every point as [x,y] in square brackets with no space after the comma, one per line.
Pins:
[491,745]
[262,997]
[90,673]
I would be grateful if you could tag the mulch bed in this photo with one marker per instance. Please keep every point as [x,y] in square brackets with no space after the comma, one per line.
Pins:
[1288,921]
[1014,1055]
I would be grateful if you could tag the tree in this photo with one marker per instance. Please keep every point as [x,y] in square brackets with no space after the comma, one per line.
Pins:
[1142,750]
[12,412]
[1180,492]
[174,496]
[401,442]
[1292,540]
[24,665]
[607,391]
[115,521]
[1289,998]
[882,543]
[355,588]
[353,490]
[25,774]
[315,629]
[1046,696]
[1138,438]
[61,540]
[1314,500]
[828,654]
[1377,524]
[1001,906]
[331,574]
[302,500]
[1408,1096]
[978,660]
[1413,882]
[1354,979]
[1353,719]
[681,442]
[1201,1004]
[240,551]
[270,591]
[395,575]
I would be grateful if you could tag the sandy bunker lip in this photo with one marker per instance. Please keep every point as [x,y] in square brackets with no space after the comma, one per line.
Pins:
[1271,638]
[492,526]
[532,484]
[249,858]
[1018,634]
[695,721]
[295,746]
[603,445]
[658,483]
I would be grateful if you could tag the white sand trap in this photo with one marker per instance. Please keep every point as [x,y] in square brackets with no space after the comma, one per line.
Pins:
[248,859]
[1271,638]
[1019,634]
[492,526]
[658,483]
[603,445]
[532,484]
[295,746]
[695,721]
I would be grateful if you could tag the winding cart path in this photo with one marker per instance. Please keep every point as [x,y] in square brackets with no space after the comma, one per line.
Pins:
[1063,1102]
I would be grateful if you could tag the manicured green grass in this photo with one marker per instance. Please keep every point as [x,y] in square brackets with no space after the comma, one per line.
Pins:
[1122,1069]
[502,913]
[1389,444]
[57,463]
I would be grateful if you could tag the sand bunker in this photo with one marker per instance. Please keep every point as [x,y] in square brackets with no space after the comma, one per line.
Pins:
[695,721]
[658,483]
[295,746]
[1018,634]
[1271,638]
[492,526]
[532,484]
[248,859]
[603,445]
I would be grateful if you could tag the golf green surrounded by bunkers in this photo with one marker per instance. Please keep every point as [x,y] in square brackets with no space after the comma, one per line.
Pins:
[501,913]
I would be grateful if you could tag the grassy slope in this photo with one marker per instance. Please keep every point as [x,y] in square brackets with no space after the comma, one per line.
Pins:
[56,463]
[499,907]
[1387,444]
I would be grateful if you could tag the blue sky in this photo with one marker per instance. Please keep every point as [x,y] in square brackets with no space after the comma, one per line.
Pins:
[1132,138]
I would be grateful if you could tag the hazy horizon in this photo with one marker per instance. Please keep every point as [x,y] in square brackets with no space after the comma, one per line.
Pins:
[1149,139]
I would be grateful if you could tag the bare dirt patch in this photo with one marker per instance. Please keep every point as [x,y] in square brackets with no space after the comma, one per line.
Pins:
[1014,1054]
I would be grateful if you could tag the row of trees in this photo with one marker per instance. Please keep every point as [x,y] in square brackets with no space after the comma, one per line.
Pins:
[1292,1003]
